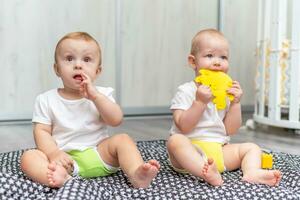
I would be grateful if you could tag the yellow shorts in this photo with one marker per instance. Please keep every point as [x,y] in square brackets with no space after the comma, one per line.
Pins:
[211,150]
[207,150]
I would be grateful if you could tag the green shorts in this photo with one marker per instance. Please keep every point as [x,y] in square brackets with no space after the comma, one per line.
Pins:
[88,164]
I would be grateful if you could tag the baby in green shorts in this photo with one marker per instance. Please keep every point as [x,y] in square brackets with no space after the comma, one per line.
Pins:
[70,124]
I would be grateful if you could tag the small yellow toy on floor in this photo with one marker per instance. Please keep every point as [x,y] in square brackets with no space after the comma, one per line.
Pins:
[218,82]
[266,161]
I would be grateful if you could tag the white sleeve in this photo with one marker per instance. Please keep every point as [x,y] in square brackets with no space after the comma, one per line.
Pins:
[41,111]
[108,92]
[182,100]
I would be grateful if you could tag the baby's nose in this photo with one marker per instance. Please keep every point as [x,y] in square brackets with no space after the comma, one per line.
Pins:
[217,63]
[77,67]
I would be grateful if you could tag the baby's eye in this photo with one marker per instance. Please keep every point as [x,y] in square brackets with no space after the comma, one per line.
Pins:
[69,58]
[209,56]
[87,59]
[224,57]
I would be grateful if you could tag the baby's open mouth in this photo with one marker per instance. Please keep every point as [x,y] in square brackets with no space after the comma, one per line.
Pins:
[78,77]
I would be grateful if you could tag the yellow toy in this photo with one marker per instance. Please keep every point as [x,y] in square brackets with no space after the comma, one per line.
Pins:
[266,161]
[218,82]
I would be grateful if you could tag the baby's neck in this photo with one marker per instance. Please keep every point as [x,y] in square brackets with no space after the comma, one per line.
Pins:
[69,94]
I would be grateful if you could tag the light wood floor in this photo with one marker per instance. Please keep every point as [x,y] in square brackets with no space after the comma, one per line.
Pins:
[19,136]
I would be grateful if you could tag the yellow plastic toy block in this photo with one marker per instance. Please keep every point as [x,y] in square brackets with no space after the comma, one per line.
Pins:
[266,161]
[218,82]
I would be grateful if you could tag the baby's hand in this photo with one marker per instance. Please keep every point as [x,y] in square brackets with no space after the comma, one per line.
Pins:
[236,91]
[203,94]
[62,158]
[87,89]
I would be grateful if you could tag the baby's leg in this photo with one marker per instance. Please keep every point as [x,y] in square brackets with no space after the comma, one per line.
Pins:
[34,164]
[120,150]
[57,175]
[248,157]
[184,155]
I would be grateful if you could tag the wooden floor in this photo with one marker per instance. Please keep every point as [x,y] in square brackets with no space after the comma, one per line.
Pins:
[19,136]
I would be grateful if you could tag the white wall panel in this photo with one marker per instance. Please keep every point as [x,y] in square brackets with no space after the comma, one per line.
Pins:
[156,37]
[29,31]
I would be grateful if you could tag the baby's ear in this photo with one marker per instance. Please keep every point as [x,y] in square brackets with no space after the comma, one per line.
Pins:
[191,60]
[56,69]
[99,70]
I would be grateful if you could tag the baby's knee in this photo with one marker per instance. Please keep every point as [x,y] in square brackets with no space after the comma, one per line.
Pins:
[251,146]
[27,158]
[174,141]
[27,154]
[123,137]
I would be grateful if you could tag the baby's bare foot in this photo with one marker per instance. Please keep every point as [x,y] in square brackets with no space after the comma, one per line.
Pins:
[57,175]
[268,177]
[211,174]
[154,163]
[144,174]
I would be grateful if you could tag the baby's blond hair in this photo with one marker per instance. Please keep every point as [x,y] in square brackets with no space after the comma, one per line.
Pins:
[78,36]
[197,39]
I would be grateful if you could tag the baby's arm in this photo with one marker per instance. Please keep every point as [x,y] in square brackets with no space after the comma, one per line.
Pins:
[43,138]
[110,112]
[186,120]
[46,144]
[233,118]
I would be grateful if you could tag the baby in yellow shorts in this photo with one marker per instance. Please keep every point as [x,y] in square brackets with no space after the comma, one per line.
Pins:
[200,134]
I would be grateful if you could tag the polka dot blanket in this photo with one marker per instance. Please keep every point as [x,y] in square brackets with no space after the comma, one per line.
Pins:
[167,185]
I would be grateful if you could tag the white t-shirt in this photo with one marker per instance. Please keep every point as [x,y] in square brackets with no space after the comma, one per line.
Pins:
[210,126]
[76,124]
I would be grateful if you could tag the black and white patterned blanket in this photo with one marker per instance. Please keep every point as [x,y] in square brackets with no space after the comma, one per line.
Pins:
[167,185]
